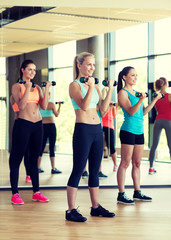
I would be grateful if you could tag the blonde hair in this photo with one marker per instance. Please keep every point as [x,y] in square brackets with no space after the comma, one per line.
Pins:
[79,59]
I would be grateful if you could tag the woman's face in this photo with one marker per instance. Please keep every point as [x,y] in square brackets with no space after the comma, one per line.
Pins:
[131,77]
[87,67]
[29,72]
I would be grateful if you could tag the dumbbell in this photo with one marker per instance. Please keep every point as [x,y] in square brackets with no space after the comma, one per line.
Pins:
[59,102]
[155,95]
[83,80]
[138,94]
[106,83]
[43,84]
[23,82]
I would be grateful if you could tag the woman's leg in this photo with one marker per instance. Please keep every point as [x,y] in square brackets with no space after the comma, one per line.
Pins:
[136,162]
[52,141]
[156,136]
[126,156]
[167,127]
[20,137]
[34,141]
[43,144]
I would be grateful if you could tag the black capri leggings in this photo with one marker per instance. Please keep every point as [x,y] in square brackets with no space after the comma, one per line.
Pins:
[49,132]
[87,144]
[25,134]
[110,139]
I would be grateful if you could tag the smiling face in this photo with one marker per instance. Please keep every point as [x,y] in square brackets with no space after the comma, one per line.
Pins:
[29,72]
[87,68]
[131,77]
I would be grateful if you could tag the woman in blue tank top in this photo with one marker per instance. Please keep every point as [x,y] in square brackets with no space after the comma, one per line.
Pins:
[87,136]
[131,134]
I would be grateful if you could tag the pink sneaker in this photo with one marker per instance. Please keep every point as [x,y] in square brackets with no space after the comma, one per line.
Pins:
[152,171]
[28,179]
[38,197]
[115,168]
[16,199]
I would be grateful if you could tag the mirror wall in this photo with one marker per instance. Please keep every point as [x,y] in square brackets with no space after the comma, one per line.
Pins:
[52,38]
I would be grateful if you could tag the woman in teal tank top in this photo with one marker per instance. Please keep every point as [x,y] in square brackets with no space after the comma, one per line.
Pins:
[131,134]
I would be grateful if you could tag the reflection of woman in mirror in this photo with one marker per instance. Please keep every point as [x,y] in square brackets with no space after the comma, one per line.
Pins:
[49,132]
[162,121]
[87,136]
[131,134]
[27,129]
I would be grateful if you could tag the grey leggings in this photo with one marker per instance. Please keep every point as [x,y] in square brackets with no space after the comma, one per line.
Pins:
[158,126]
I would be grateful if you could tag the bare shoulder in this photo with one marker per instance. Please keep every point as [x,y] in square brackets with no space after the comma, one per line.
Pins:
[169,97]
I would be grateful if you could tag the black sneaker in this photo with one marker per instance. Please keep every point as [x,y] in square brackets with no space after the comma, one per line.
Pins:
[102,176]
[85,175]
[122,198]
[55,171]
[100,211]
[74,216]
[40,170]
[139,196]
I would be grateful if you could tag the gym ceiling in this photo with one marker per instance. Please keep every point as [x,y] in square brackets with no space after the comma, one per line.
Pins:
[27,26]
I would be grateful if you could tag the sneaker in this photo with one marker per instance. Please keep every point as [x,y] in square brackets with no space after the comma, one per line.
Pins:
[85,175]
[152,171]
[139,196]
[16,199]
[115,168]
[28,179]
[100,211]
[40,170]
[74,216]
[38,197]
[55,171]
[102,176]
[122,198]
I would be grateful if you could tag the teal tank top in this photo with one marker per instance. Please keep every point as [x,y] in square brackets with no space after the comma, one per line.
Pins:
[94,100]
[133,124]
[46,113]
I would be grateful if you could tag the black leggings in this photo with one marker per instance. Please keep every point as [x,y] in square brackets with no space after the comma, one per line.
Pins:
[87,144]
[25,134]
[49,132]
[110,139]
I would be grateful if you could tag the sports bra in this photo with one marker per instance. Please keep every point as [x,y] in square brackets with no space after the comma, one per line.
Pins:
[94,99]
[33,96]
[46,113]
[15,107]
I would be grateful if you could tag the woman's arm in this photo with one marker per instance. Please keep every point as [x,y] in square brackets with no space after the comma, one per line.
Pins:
[16,93]
[151,105]
[75,93]
[53,107]
[124,102]
[104,103]
[43,101]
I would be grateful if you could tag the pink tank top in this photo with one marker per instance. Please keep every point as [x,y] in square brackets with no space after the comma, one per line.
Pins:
[107,120]
[163,108]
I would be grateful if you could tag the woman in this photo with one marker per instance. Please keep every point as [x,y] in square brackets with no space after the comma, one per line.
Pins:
[27,130]
[88,135]
[49,132]
[131,133]
[162,121]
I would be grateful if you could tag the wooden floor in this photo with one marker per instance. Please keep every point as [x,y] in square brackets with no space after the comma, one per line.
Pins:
[46,221]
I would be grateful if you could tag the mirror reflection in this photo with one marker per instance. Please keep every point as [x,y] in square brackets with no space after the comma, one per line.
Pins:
[57,35]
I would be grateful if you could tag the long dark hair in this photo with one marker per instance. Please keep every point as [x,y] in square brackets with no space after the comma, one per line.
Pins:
[24,65]
[124,72]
